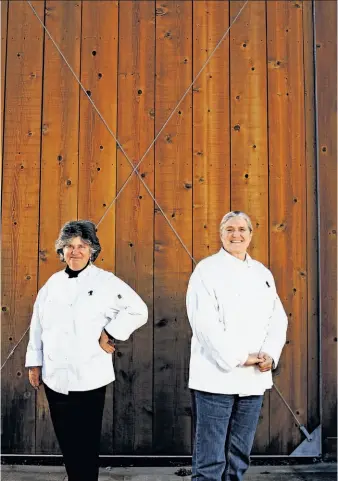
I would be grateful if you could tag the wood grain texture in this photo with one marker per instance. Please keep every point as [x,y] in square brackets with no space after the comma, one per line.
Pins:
[173,190]
[312,221]
[4,22]
[211,136]
[136,59]
[133,415]
[59,166]
[249,156]
[288,236]
[97,148]
[249,146]
[326,76]
[20,218]
[59,159]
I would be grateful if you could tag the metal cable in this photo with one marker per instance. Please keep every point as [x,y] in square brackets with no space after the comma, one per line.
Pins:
[16,345]
[287,405]
[173,112]
[135,168]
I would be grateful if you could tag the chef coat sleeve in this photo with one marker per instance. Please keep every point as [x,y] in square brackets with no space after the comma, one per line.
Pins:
[276,335]
[225,346]
[126,310]
[34,352]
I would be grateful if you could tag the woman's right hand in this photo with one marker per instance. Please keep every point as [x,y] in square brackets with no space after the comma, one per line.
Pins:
[252,359]
[34,376]
[105,344]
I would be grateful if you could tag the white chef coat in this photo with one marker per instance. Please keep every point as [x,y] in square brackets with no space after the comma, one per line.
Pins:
[68,318]
[233,310]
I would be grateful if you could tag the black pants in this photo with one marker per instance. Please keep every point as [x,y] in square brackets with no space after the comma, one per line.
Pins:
[77,421]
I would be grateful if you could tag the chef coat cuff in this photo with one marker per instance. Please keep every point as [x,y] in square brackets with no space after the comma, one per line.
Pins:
[34,358]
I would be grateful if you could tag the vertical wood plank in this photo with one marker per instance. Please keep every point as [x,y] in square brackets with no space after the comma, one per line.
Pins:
[59,159]
[312,222]
[97,149]
[249,156]
[326,75]
[173,182]
[249,149]
[20,218]
[4,21]
[97,170]
[134,223]
[288,235]
[211,136]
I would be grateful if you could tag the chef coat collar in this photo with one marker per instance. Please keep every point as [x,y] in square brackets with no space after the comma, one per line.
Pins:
[247,261]
[71,274]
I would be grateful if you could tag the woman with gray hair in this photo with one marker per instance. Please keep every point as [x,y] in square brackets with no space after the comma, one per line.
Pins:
[77,315]
[239,329]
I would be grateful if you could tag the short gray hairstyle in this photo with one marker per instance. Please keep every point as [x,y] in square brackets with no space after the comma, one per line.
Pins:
[78,228]
[230,215]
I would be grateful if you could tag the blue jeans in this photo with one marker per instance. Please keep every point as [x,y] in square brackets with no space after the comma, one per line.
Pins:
[225,426]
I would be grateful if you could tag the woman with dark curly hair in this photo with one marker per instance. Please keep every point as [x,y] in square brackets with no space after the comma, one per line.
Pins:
[77,315]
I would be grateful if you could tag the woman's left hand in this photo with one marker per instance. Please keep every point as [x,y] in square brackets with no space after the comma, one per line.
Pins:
[105,344]
[266,363]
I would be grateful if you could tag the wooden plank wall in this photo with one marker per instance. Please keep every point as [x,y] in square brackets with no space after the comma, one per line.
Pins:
[243,138]
[59,158]
[20,221]
[173,190]
[133,401]
[326,77]
[97,148]
[249,144]
[288,208]
[4,21]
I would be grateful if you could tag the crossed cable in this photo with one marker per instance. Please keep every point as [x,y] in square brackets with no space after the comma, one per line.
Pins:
[136,167]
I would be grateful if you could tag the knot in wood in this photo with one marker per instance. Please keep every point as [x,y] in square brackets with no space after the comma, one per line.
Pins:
[43,255]
[160,11]
[162,322]
[281,227]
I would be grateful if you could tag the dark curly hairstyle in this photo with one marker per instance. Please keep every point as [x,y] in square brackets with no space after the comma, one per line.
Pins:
[78,228]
